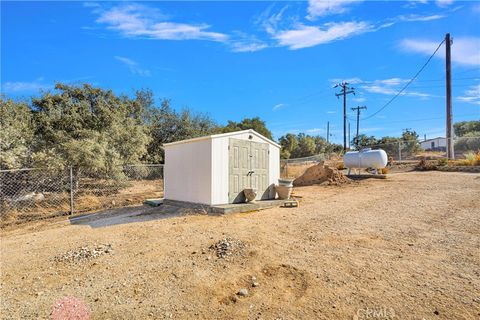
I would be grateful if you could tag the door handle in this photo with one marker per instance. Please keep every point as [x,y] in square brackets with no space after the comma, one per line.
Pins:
[250,173]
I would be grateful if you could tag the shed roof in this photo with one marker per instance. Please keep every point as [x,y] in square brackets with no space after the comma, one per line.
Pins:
[213,136]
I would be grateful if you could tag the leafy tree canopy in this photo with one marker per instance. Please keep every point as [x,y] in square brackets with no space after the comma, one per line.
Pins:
[465,127]
[256,124]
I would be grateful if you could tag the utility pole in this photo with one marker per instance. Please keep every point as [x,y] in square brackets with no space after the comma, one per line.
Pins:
[328,131]
[448,43]
[358,117]
[349,135]
[345,90]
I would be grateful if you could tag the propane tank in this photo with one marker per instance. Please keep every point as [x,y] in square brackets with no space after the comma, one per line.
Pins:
[366,158]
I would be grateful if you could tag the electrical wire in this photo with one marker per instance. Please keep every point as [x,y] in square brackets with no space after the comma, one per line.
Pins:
[407,84]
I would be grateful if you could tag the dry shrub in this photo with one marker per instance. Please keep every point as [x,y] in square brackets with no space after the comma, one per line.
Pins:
[442,162]
[340,166]
[425,165]
[471,159]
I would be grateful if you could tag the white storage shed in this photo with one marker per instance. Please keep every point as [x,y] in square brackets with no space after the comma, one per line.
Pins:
[215,169]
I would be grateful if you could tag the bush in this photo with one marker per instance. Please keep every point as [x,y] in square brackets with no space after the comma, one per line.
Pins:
[442,162]
[469,142]
[471,159]
[425,165]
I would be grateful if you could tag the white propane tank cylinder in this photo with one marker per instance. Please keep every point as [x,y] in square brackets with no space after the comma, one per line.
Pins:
[365,158]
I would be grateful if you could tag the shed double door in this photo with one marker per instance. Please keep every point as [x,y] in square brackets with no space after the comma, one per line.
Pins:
[248,168]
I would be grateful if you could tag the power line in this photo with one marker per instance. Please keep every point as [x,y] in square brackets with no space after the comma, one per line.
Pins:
[427,119]
[345,90]
[408,83]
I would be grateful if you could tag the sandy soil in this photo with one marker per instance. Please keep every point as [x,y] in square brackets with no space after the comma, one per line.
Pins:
[406,247]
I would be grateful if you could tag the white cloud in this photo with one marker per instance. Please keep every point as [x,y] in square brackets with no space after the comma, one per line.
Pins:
[472,95]
[348,80]
[315,130]
[416,17]
[465,50]
[443,3]
[303,36]
[360,99]
[414,3]
[319,8]
[134,67]
[390,87]
[240,46]
[476,8]
[370,129]
[135,20]
[91,5]
[331,112]
[391,81]
[278,106]
[26,87]
[246,43]
[391,91]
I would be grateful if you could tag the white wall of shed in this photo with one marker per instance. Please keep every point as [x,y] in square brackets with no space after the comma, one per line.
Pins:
[220,163]
[188,172]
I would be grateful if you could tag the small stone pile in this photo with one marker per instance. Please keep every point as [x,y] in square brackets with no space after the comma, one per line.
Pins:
[227,247]
[84,253]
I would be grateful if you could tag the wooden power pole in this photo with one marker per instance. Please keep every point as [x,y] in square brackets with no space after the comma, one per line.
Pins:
[358,117]
[348,135]
[450,151]
[328,131]
[345,90]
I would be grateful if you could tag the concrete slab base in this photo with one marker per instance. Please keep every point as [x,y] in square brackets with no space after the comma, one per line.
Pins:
[153,202]
[366,176]
[228,208]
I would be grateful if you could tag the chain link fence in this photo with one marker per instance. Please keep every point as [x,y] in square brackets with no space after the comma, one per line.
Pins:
[399,151]
[30,194]
[294,168]
[430,149]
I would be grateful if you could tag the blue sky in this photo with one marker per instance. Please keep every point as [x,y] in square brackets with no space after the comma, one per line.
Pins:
[276,60]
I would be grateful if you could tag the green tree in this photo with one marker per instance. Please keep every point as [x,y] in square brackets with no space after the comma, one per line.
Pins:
[470,141]
[410,141]
[89,128]
[16,134]
[306,146]
[465,127]
[256,124]
[390,145]
[363,141]
[167,125]
[289,143]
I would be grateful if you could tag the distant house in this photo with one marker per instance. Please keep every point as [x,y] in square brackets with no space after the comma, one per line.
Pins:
[435,144]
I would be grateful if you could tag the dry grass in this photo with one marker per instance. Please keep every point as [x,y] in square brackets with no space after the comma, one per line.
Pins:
[58,204]
[471,159]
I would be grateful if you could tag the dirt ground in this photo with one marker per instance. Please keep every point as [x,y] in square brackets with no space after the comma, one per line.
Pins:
[406,247]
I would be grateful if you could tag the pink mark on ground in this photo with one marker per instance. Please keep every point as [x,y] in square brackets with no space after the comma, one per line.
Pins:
[70,308]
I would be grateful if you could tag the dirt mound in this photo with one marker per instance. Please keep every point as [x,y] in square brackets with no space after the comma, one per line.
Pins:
[321,173]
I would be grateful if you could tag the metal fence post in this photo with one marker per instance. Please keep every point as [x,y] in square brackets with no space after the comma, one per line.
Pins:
[399,151]
[71,190]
